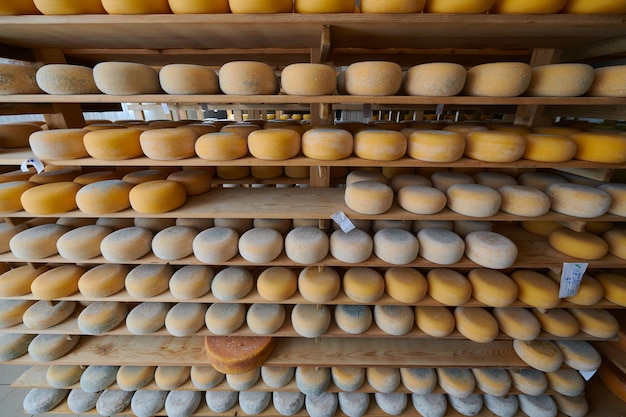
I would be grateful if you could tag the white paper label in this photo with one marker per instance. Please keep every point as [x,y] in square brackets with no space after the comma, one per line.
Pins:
[571,276]
[34,162]
[343,221]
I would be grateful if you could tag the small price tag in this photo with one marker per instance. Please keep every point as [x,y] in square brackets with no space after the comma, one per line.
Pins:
[343,221]
[367,112]
[34,162]
[439,109]
[571,276]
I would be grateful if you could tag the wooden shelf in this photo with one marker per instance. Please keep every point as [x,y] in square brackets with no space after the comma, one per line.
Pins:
[613,354]
[332,351]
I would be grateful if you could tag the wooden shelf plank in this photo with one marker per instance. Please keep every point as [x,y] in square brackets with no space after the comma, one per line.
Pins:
[360,352]
[612,353]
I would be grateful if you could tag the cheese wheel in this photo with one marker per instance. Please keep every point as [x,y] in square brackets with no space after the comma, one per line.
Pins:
[380,145]
[252,6]
[14,345]
[493,146]
[232,283]
[11,193]
[595,7]
[247,78]
[262,172]
[288,403]
[144,175]
[542,355]
[126,244]
[434,321]
[492,288]
[310,320]
[111,402]
[96,176]
[522,200]
[159,196]
[359,175]
[282,226]
[277,376]
[265,319]
[435,145]
[617,191]
[580,355]
[221,401]
[104,197]
[188,79]
[147,281]
[54,174]
[448,287]
[395,246]
[558,322]
[368,197]
[306,245]
[419,381]
[42,400]
[55,7]
[400,181]
[48,347]
[505,406]
[66,79]
[171,377]
[540,405]
[527,7]
[614,286]
[205,377]
[63,376]
[198,7]
[53,198]
[17,281]
[436,79]
[274,144]
[373,78]
[318,286]
[518,323]
[608,148]
[476,324]
[498,79]
[492,381]
[101,317]
[529,381]
[58,144]
[327,144]
[353,247]
[473,200]
[57,283]
[490,249]
[126,78]
[15,8]
[324,6]
[147,318]
[576,406]
[421,199]
[312,380]
[560,80]
[277,283]
[467,406]
[321,405]
[581,245]
[406,285]
[540,180]
[598,323]
[382,379]
[113,144]
[306,79]
[191,281]
[297,172]
[215,245]
[16,135]
[175,242]
[536,289]
[566,382]
[12,311]
[80,401]
[254,402]
[578,200]
[458,382]
[430,405]
[198,224]
[260,245]
[168,144]
[347,378]
[440,246]
[458,6]
[494,180]
[37,242]
[613,378]
[103,280]
[133,378]
[589,291]
[18,79]
[353,319]
[394,320]
[82,243]
[363,285]
[443,180]
[185,319]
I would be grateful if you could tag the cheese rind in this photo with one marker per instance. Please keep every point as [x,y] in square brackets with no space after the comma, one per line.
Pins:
[595,7]
[434,321]
[232,283]
[277,283]
[353,247]
[458,6]
[352,318]
[18,79]
[490,249]
[363,285]
[102,316]
[581,245]
[215,244]
[255,6]
[396,246]
[247,77]
[260,245]
[493,146]
[517,322]
[368,197]
[221,146]
[617,191]
[527,7]
[327,144]
[380,145]
[147,281]
[168,144]
[436,79]
[473,200]
[188,78]
[522,200]
[319,286]
[307,245]
[542,355]
[560,80]
[536,289]
[324,6]
[82,243]
[104,197]
[614,286]
[66,79]
[476,324]
[17,281]
[274,144]
[498,79]
[305,79]
[578,200]
[113,144]
[11,193]
[558,322]
[126,78]
[103,280]
[609,148]
[185,319]
[126,244]
[373,78]
[58,144]
[147,318]
[53,198]
[406,285]
[440,246]
[309,320]
[157,196]
[492,288]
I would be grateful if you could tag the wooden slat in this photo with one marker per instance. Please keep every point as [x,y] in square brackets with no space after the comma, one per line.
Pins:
[612,353]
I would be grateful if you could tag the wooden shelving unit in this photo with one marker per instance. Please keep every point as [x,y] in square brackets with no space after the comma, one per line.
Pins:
[340,40]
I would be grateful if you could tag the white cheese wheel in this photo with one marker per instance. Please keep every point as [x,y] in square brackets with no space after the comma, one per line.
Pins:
[448,287]
[182,402]
[254,402]
[310,320]
[529,381]
[288,403]
[440,246]
[353,319]
[406,285]
[476,324]
[492,288]
[493,146]
[185,319]
[617,191]
[232,283]
[498,79]
[319,286]
[436,145]
[147,281]
[215,245]
[580,355]
[66,79]
[394,320]
[473,200]
[458,382]
[467,406]
[578,200]
[126,244]
[53,198]
[380,145]
[274,144]
[42,400]
[522,200]
[307,245]
[347,378]
[48,347]
[37,242]
[560,80]
[58,144]
[312,380]
[188,79]
[175,242]
[436,79]
[609,148]
[159,196]
[113,144]
[168,144]
[536,289]
[327,144]
[383,379]
[363,285]
[255,6]
[430,405]
[18,79]
[126,78]
[458,6]
[542,355]
[103,280]
[492,381]
[503,406]
[306,79]
[324,6]
[368,197]
[221,401]
[191,281]
[104,197]
[527,7]
[82,243]
[277,376]
[353,247]
[490,249]
[260,245]
[517,322]
[265,319]
[247,78]
[101,316]
[581,245]
[277,283]
[442,180]
[147,318]
[396,246]
[373,78]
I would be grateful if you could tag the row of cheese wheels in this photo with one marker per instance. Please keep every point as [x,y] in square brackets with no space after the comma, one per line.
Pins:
[279,141]
[65,7]
[307,320]
[145,403]
[367,78]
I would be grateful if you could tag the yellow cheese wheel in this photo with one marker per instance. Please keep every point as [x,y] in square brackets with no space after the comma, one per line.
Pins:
[104,197]
[157,196]
[243,128]
[436,79]
[566,382]
[609,148]
[91,177]
[260,245]
[311,380]
[126,244]
[56,7]
[319,286]
[17,281]
[324,6]
[458,6]
[434,321]
[614,286]
[171,377]
[558,322]
[57,283]
[14,345]
[353,319]
[492,381]
[608,82]
[527,7]
[380,145]
[16,135]
[536,289]
[493,146]
[420,381]
[476,323]
[310,320]
[20,7]
[63,376]
[101,316]
[492,288]
[368,197]
[448,287]
[581,245]
[578,200]
[327,144]
[458,382]
[363,285]
[11,193]
[440,246]
[18,79]
[135,7]
[168,144]
[473,200]
[199,7]
[373,78]
[103,280]
[266,172]
[549,148]
[221,146]
[133,378]
[396,6]
[522,200]
[205,377]
[406,285]
[58,197]
[126,78]
[56,174]
[305,79]
[48,347]
[278,283]
[113,144]
[265,6]
[575,406]
[353,247]
[274,144]
[12,311]
[421,199]
[188,79]
[58,144]
[66,79]
[436,145]
[595,7]
[598,322]
[144,175]
[518,323]
[560,80]
[348,378]
[195,181]
[247,78]
[589,292]
[82,243]
[579,354]
[542,355]
[498,79]
[365,175]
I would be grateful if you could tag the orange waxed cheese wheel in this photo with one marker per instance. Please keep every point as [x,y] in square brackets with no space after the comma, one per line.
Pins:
[261,7]
[11,193]
[157,196]
[58,197]
[394,6]
[69,7]
[199,7]
[380,145]
[136,6]
[274,144]
[168,144]
[104,197]
[324,6]
[458,6]
[221,146]
[113,144]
